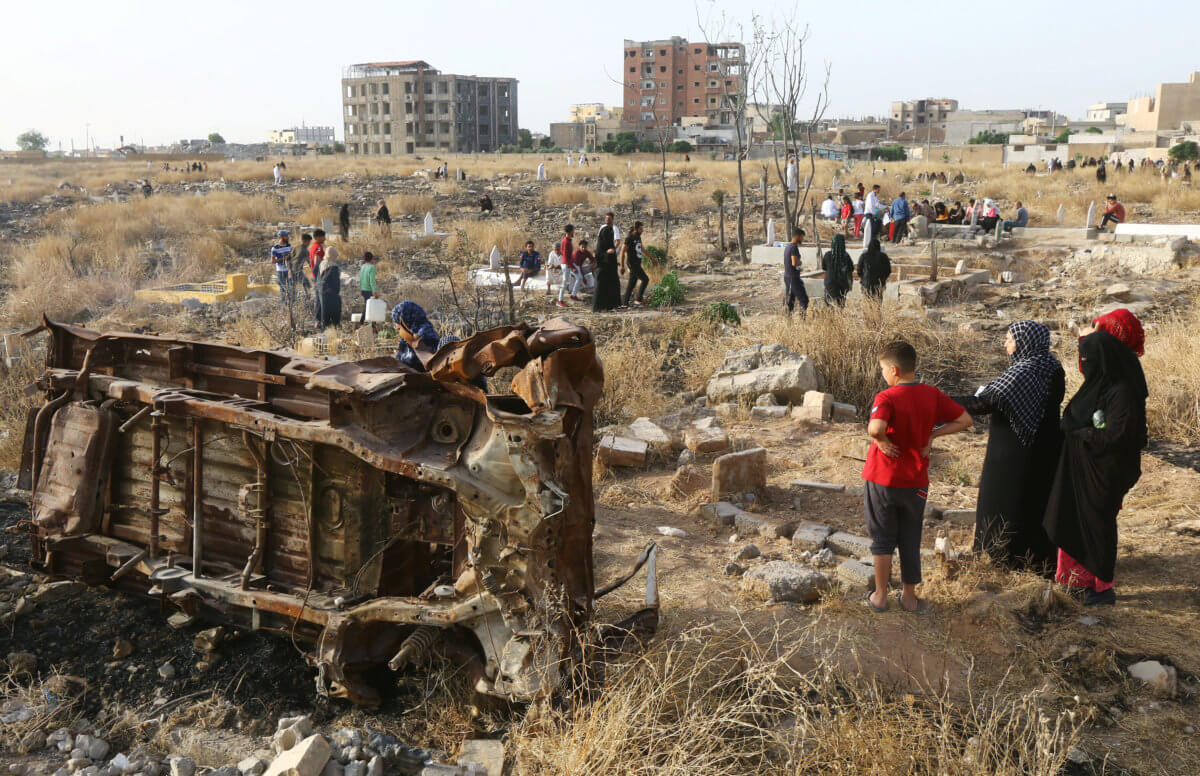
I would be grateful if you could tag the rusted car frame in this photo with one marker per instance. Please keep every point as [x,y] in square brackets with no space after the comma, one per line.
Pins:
[364,509]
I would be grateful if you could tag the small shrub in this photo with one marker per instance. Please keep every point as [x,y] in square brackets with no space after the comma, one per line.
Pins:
[669,292]
[654,254]
[722,312]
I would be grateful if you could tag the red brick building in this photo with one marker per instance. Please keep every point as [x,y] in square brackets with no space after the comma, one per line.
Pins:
[666,80]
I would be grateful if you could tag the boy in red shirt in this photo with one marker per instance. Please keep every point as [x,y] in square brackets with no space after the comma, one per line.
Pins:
[316,251]
[902,426]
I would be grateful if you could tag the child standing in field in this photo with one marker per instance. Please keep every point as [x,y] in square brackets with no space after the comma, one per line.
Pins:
[902,427]
[367,285]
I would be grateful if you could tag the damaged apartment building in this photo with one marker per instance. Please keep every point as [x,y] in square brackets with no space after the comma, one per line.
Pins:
[395,108]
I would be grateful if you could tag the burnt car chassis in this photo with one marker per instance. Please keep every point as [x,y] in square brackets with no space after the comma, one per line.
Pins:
[364,509]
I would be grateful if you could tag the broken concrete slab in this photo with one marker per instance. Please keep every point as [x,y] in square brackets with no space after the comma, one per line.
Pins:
[768,413]
[741,472]
[843,411]
[486,752]
[622,451]
[650,432]
[809,414]
[810,537]
[848,544]
[702,441]
[831,487]
[856,576]
[772,529]
[720,513]
[747,524]
[750,372]
[686,480]
[783,581]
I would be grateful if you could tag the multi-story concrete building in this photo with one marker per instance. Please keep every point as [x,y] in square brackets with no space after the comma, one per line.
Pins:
[666,80]
[1106,111]
[302,135]
[919,114]
[393,108]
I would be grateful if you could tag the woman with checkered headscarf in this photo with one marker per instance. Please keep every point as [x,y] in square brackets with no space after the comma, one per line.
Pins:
[1022,453]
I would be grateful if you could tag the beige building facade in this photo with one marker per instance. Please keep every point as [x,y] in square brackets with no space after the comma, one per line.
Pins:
[396,108]
[1171,107]
[666,80]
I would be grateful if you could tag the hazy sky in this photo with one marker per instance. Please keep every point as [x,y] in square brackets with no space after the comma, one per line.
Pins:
[160,71]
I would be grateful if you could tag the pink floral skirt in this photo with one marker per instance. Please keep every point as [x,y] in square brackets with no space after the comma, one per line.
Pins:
[1072,574]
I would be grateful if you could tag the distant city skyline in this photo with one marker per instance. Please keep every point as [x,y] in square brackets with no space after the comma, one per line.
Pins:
[158,73]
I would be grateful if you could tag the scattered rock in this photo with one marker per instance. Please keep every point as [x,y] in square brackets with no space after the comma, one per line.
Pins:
[667,530]
[964,517]
[686,457]
[785,581]
[122,649]
[209,639]
[179,620]
[306,758]
[808,414]
[768,413]
[747,524]
[166,671]
[741,472]
[650,432]
[486,752]
[53,592]
[251,766]
[733,569]
[1088,620]
[822,401]
[749,552]
[831,487]
[767,400]
[856,575]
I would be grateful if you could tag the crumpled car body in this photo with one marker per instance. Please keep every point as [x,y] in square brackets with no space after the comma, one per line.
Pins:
[366,510]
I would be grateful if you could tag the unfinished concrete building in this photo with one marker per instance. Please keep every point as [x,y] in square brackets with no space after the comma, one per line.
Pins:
[396,108]
[367,510]
[666,80]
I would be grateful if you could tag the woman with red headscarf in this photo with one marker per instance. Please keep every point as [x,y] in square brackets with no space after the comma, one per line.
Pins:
[1105,430]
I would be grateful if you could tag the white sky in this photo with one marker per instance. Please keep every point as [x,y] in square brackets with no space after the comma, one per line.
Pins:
[161,71]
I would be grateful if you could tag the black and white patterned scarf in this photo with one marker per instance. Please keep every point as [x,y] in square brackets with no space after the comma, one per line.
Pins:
[1022,390]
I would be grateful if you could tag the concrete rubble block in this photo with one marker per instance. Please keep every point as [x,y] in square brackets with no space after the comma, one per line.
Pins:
[849,544]
[824,401]
[1118,292]
[650,432]
[810,536]
[749,373]
[252,766]
[333,768]
[720,513]
[747,524]
[488,753]
[933,511]
[777,530]
[844,411]
[622,451]
[703,441]
[1163,679]
[768,413]
[306,758]
[748,552]
[856,576]
[829,487]
[784,581]
[741,472]
[975,277]
[965,517]
[182,766]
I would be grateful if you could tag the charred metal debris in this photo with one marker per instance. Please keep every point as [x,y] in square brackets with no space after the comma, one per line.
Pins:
[367,511]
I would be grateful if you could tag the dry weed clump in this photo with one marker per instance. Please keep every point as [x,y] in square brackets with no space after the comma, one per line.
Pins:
[727,703]
[325,197]
[632,365]
[565,195]
[1173,407]
[33,707]
[412,204]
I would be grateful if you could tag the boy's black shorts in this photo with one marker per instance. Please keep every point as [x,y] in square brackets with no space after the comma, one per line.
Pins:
[894,520]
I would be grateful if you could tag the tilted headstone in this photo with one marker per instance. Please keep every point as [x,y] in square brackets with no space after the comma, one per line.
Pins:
[1091,218]
[771,232]
[1060,217]
[429,224]
[495,260]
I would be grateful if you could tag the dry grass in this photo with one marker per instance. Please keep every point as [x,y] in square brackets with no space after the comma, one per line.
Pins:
[326,197]
[1173,408]
[726,702]
[411,204]
[40,706]
[565,195]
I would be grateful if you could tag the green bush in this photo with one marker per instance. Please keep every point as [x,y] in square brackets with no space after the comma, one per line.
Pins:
[988,137]
[722,312]
[889,153]
[1094,131]
[654,254]
[1187,151]
[669,292]
[680,147]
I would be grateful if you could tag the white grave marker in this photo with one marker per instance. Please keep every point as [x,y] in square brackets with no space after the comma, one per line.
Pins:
[429,224]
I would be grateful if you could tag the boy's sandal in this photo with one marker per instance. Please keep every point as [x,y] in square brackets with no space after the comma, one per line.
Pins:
[873,607]
[923,606]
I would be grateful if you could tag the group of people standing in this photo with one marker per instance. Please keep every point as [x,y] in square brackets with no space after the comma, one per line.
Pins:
[612,258]
[314,265]
[873,269]
[1052,484]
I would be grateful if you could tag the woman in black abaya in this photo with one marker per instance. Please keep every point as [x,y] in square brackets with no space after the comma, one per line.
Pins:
[1022,452]
[1105,431]
[608,281]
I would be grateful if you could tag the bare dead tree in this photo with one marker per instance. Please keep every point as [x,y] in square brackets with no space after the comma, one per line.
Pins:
[780,89]
[733,81]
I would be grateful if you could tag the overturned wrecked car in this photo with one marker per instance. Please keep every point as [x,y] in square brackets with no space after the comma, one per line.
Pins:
[368,511]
